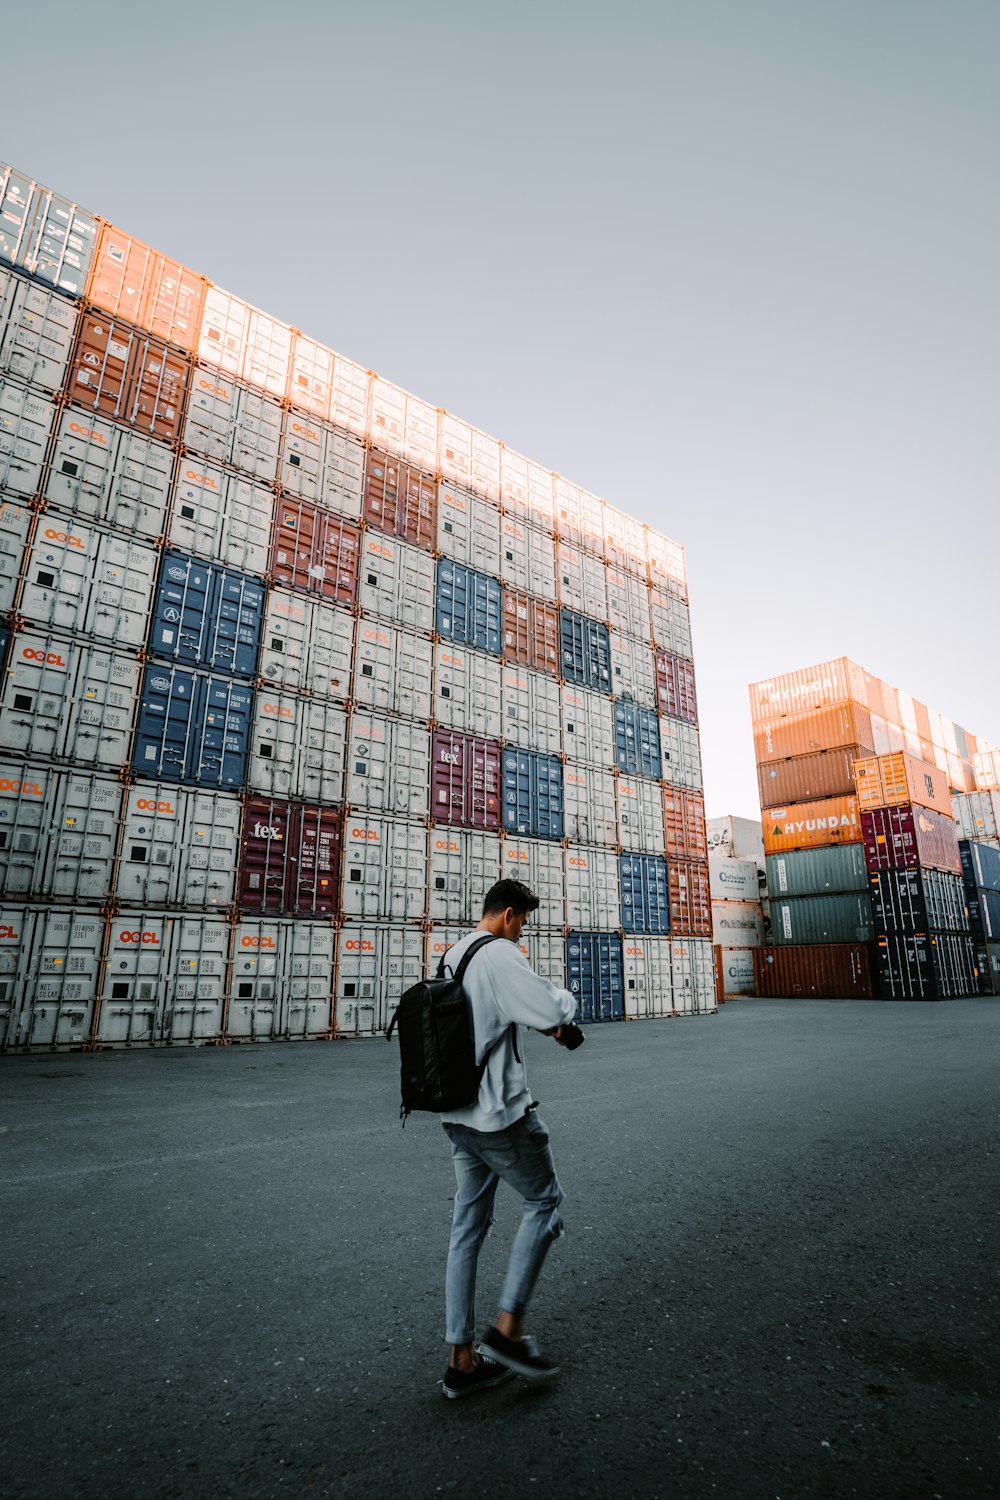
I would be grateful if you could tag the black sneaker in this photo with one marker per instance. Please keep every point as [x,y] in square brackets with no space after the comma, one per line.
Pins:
[521,1356]
[488,1372]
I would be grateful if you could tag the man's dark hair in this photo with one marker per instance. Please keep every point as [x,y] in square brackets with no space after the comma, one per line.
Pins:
[512,893]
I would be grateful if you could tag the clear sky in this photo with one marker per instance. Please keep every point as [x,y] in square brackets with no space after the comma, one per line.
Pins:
[732,264]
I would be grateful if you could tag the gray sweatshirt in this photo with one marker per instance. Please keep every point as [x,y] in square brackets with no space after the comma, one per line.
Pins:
[503,988]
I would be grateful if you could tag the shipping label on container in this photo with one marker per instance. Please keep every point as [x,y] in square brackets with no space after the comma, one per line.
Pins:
[400,499]
[315,551]
[588,727]
[530,706]
[580,582]
[640,814]
[462,867]
[595,975]
[281,980]
[310,376]
[179,847]
[25,423]
[649,985]
[351,388]
[396,583]
[526,490]
[540,866]
[50,961]
[109,474]
[192,727]
[46,235]
[388,766]
[593,889]
[86,582]
[809,825]
[469,607]
[403,425]
[527,558]
[37,327]
[62,700]
[579,517]
[139,284]
[531,635]
[684,827]
[298,747]
[733,879]
[307,646]
[467,690]
[468,530]
[532,793]
[15,523]
[207,616]
[58,832]
[590,810]
[290,859]
[637,740]
[671,620]
[625,542]
[381,857]
[465,780]
[665,561]
[585,651]
[628,604]
[690,899]
[233,424]
[692,963]
[375,964]
[129,376]
[222,516]
[738,924]
[645,896]
[393,669]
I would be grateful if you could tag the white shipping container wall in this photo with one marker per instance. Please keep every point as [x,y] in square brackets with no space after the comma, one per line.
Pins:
[640,815]
[179,847]
[50,964]
[693,968]
[307,646]
[580,581]
[649,985]
[467,690]
[733,879]
[280,980]
[530,707]
[625,541]
[25,423]
[36,332]
[628,604]
[671,622]
[223,517]
[384,869]
[526,490]
[136,979]
[375,964]
[736,969]
[547,955]
[439,940]
[680,748]
[589,808]
[88,582]
[540,864]
[977,814]
[298,748]
[736,838]
[310,378]
[233,424]
[199,964]
[349,404]
[64,701]
[588,727]
[593,890]
[403,425]
[527,558]
[665,559]
[579,516]
[738,924]
[392,669]
[109,474]
[462,866]
[396,582]
[58,832]
[223,331]
[15,523]
[321,465]
[468,530]
[633,671]
[388,766]
[267,353]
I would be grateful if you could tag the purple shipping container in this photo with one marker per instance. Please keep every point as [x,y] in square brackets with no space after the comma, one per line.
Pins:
[907,838]
[465,780]
[290,860]
[675,689]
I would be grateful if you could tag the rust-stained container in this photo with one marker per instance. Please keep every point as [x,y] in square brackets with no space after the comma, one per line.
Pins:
[690,898]
[684,824]
[808,778]
[530,632]
[124,373]
[825,971]
[400,499]
[812,825]
[290,860]
[134,282]
[906,838]
[675,691]
[316,551]
[845,724]
[465,780]
[898,780]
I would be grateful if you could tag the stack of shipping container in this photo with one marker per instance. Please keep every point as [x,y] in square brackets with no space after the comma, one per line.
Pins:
[977,815]
[295,666]
[740,910]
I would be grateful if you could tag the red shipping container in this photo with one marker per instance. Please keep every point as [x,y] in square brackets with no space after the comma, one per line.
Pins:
[290,861]
[675,693]
[465,780]
[822,729]
[126,374]
[316,551]
[530,632]
[827,971]
[137,283]
[400,499]
[690,899]
[909,838]
[808,778]
[684,824]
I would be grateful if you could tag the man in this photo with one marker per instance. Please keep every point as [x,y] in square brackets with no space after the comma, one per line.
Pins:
[501,1137]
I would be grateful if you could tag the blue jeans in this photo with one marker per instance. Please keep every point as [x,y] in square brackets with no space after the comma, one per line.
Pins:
[521,1157]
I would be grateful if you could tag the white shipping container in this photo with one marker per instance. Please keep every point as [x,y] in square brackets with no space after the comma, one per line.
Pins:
[385,869]
[633,671]
[310,378]
[26,420]
[736,838]
[589,809]
[735,967]
[280,980]
[223,331]
[738,924]
[440,939]
[36,332]
[307,646]
[649,985]
[232,424]
[388,766]
[109,474]
[986,767]
[580,581]
[628,604]
[50,964]
[624,541]
[540,864]
[640,815]
[671,619]
[88,582]
[467,690]
[321,465]
[375,964]
[526,490]
[579,517]
[222,516]
[588,727]
[680,747]
[977,815]
[732,879]
[179,847]
[468,530]
[15,522]
[401,424]
[351,387]
[58,832]
[195,998]
[693,969]
[527,558]
[547,955]
[531,710]
[267,353]
[593,891]
[396,582]
[462,866]
[66,701]
[298,748]
[392,670]
[136,979]
[665,559]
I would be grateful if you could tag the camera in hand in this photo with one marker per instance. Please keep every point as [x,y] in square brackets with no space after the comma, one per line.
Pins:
[572,1036]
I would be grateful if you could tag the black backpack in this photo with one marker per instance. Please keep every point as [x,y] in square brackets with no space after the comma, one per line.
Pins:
[437,1049]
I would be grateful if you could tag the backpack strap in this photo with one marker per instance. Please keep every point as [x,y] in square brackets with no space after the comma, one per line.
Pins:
[469,954]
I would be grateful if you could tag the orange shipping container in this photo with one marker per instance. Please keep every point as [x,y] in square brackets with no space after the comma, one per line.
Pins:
[807,734]
[899,779]
[146,288]
[822,686]
[812,825]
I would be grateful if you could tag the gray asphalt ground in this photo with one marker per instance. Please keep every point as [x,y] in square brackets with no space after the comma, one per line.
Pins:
[222,1270]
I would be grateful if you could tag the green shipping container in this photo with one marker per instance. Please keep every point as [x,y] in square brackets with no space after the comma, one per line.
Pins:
[822,919]
[817,872]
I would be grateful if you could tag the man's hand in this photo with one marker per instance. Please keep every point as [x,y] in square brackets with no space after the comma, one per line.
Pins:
[556,1032]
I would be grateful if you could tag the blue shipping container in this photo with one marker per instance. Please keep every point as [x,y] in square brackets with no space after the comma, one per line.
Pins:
[645,893]
[193,728]
[532,793]
[585,650]
[469,607]
[984,915]
[595,975]
[637,740]
[980,865]
[207,616]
